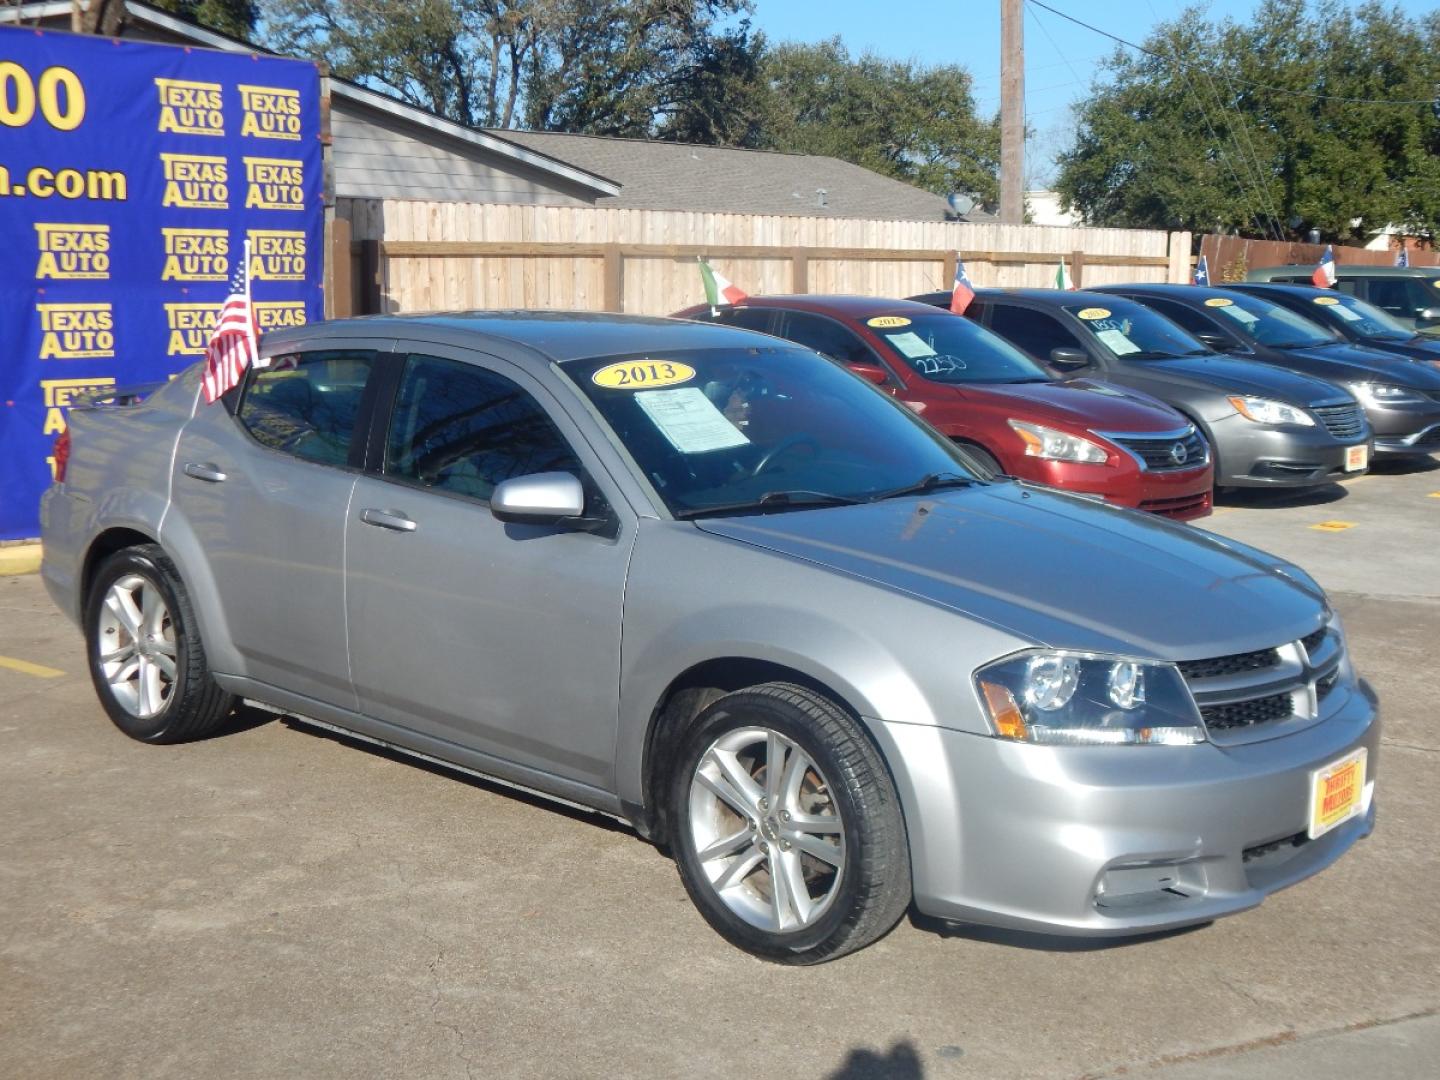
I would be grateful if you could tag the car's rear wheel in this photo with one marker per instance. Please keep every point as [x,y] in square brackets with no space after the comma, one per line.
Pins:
[789,835]
[146,659]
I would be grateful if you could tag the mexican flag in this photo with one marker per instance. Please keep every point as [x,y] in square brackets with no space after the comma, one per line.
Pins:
[718,289]
[1062,276]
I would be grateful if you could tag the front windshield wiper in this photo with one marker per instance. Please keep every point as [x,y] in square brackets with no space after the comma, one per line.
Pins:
[928,482]
[772,500]
[1300,344]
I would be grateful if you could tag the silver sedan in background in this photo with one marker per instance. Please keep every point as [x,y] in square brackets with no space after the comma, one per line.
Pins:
[714,585]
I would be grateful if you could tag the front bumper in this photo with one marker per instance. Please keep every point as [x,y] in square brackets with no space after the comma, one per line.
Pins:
[1114,841]
[1259,455]
[1183,494]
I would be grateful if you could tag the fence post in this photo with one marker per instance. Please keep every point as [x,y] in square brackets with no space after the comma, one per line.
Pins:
[1077,268]
[339,299]
[614,274]
[947,274]
[1180,259]
[799,271]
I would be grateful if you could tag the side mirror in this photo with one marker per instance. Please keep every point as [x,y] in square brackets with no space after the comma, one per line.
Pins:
[547,498]
[1216,340]
[873,373]
[1069,358]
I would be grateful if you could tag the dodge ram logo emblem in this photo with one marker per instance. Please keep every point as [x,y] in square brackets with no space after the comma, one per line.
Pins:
[1178,454]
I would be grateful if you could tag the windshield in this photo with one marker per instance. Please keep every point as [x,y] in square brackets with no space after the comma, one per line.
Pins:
[1133,332]
[718,430]
[1259,320]
[951,349]
[1362,319]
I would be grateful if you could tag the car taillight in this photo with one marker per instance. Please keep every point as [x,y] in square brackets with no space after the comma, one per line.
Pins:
[61,454]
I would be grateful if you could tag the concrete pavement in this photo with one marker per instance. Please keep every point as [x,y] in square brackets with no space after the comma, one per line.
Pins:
[276,902]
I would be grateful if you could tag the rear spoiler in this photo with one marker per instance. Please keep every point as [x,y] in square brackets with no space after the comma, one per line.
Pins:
[116,397]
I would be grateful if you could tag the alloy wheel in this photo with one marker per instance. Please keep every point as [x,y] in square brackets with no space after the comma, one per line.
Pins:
[137,646]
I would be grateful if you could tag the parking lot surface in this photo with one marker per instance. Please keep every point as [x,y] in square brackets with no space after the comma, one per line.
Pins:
[280,902]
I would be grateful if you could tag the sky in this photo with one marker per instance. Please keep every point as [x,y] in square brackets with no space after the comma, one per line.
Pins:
[1060,57]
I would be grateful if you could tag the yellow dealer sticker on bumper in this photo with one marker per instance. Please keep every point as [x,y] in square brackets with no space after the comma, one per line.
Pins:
[1336,792]
[643,374]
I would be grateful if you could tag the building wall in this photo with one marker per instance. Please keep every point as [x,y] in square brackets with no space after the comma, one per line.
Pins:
[376,158]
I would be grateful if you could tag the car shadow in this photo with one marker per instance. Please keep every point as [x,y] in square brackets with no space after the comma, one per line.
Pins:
[1280,498]
[1040,942]
[901,1062]
[1403,466]
[574,813]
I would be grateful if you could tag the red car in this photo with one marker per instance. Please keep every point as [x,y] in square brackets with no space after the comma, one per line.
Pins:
[1077,434]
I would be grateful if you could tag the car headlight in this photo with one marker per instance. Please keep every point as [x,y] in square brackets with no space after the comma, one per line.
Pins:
[1265,411]
[1052,445]
[1088,699]
[1386,394]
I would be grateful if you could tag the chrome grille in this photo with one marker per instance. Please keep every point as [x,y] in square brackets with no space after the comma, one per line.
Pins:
[1242,695]
[1343,421]
[1163,453]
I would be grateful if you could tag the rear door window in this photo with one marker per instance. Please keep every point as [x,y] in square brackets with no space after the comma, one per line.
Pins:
[1034,331]
[308,404]
[759,319]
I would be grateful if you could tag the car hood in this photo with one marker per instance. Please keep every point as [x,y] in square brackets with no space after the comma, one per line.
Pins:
[1421,346]
[1054,568]
[1228,373]
[1361,363]
[1083,403]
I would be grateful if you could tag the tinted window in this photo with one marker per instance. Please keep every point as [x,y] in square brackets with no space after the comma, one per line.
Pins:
[1358,317]
[1405,297]
[745,318]
[827,337]
[949,349]
[306,404]
[1186,317]
[1257,319]
[462,429]
[1034,331]
[728,426]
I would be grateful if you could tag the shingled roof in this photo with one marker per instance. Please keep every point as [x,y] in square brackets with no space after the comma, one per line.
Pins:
[679,176]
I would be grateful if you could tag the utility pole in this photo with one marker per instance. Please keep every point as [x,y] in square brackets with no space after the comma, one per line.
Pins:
[1012,111]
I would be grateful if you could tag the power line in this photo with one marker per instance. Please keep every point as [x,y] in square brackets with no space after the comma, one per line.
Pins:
[1243,82]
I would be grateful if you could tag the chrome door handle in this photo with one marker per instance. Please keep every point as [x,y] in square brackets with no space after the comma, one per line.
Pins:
[388,519]
[211,474]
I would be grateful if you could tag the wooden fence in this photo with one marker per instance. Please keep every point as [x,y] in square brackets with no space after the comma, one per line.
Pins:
[425,256]
[1229,257]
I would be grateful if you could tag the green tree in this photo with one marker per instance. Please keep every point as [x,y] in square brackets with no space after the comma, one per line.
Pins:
[233,17]
[909,121]
[1269,128]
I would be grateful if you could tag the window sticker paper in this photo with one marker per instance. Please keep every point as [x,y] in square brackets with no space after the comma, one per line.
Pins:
[911,344]
[1117,342]
[690,420]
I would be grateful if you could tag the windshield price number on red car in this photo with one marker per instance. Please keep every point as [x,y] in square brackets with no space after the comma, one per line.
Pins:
[1336,793]
[643,374]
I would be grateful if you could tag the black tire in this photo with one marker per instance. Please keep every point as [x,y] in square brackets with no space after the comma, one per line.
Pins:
[195,707]
[872,890]
[982,457]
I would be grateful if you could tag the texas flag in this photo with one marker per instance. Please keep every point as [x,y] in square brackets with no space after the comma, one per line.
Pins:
[962,292]
[1202,273]
[718,288]
[1324,275]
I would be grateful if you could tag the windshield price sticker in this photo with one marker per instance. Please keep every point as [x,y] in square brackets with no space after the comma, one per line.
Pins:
[911,344]
[887,322]
[1348,315]
[1327,301]
[642,374]
[1092,313]
[1117,342]
[1241,315]
[690,420]
[1218,301]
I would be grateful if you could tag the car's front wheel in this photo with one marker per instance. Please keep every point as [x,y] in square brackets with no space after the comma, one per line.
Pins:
[789,835]
[146,659]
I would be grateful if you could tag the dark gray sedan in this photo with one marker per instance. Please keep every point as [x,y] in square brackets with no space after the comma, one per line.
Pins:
[1401,398]
[1267,427]
[1349,317]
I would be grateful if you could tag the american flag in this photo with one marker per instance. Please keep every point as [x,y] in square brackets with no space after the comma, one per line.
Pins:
[231,347]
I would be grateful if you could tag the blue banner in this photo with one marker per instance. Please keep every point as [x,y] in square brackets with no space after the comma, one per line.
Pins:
[131,177]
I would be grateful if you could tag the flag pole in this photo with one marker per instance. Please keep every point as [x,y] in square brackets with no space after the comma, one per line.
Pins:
[250,310]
